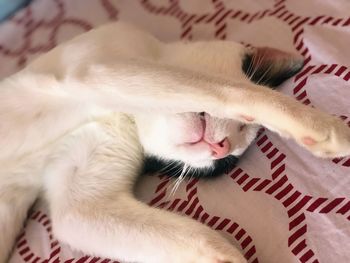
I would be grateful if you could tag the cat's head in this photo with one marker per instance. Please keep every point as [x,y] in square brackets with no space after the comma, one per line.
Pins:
[201,145]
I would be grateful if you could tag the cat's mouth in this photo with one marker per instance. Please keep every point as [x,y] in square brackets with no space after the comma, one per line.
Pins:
[218,149]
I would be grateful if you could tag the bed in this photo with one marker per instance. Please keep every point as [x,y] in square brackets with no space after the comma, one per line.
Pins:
[279,204]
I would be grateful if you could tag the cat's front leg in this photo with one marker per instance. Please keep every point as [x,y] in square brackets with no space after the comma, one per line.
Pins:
[172,89]
[321,133]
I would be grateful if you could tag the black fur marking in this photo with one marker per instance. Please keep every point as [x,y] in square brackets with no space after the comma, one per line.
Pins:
[173,168]
[262,77]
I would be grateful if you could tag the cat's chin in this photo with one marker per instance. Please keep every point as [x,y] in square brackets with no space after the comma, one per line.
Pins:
[176,168]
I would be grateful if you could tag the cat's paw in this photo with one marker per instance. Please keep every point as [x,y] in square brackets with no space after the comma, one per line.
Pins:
[210,248]
[219,252]
[326,136]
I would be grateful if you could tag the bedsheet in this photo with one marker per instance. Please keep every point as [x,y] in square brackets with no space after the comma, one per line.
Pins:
[280,204]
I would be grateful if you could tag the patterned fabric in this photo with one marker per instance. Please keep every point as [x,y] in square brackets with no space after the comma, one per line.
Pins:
[280,204]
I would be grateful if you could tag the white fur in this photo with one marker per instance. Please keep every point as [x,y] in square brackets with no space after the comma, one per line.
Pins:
[58,134]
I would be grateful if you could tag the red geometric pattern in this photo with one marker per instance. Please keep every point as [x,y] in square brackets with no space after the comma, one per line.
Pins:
[281,195]
[300,92]
[296,203]
[218,17]
[192,207]
[24,248]
[31,24]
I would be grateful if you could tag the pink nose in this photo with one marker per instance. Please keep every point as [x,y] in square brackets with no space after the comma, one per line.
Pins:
[220,149]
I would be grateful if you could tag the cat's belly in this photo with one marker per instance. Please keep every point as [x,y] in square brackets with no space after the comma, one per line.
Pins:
[29,170]
[25,172]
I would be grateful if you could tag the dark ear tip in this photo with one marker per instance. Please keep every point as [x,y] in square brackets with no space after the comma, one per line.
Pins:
[274,67]
[301,63]
[298,64]
[295,67]
[297,59]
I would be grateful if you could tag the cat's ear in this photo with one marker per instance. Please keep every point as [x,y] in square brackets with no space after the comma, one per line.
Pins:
[270,66]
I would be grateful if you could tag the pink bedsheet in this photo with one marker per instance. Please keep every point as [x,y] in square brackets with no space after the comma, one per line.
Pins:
[280,204]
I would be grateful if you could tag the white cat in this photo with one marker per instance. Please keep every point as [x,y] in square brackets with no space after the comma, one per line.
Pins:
[79,122]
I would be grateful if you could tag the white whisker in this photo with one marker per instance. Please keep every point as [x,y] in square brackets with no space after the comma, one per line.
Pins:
[179,179]
[259,62]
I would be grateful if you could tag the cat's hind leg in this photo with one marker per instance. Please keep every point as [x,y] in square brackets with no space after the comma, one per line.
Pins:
[15,201]
[90,190]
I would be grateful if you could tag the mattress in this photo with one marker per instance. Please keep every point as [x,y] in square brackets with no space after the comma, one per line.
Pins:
[279,204]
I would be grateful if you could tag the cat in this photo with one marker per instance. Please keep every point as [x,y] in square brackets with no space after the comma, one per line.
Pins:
[78,123]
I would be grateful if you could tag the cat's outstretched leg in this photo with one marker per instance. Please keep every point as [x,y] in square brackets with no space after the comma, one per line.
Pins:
[156,82]
[322,134]
[15,201]
[172,89]
[89,185]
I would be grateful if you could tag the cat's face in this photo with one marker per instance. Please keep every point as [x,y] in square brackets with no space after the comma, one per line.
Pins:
[200,141]
[197,139]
